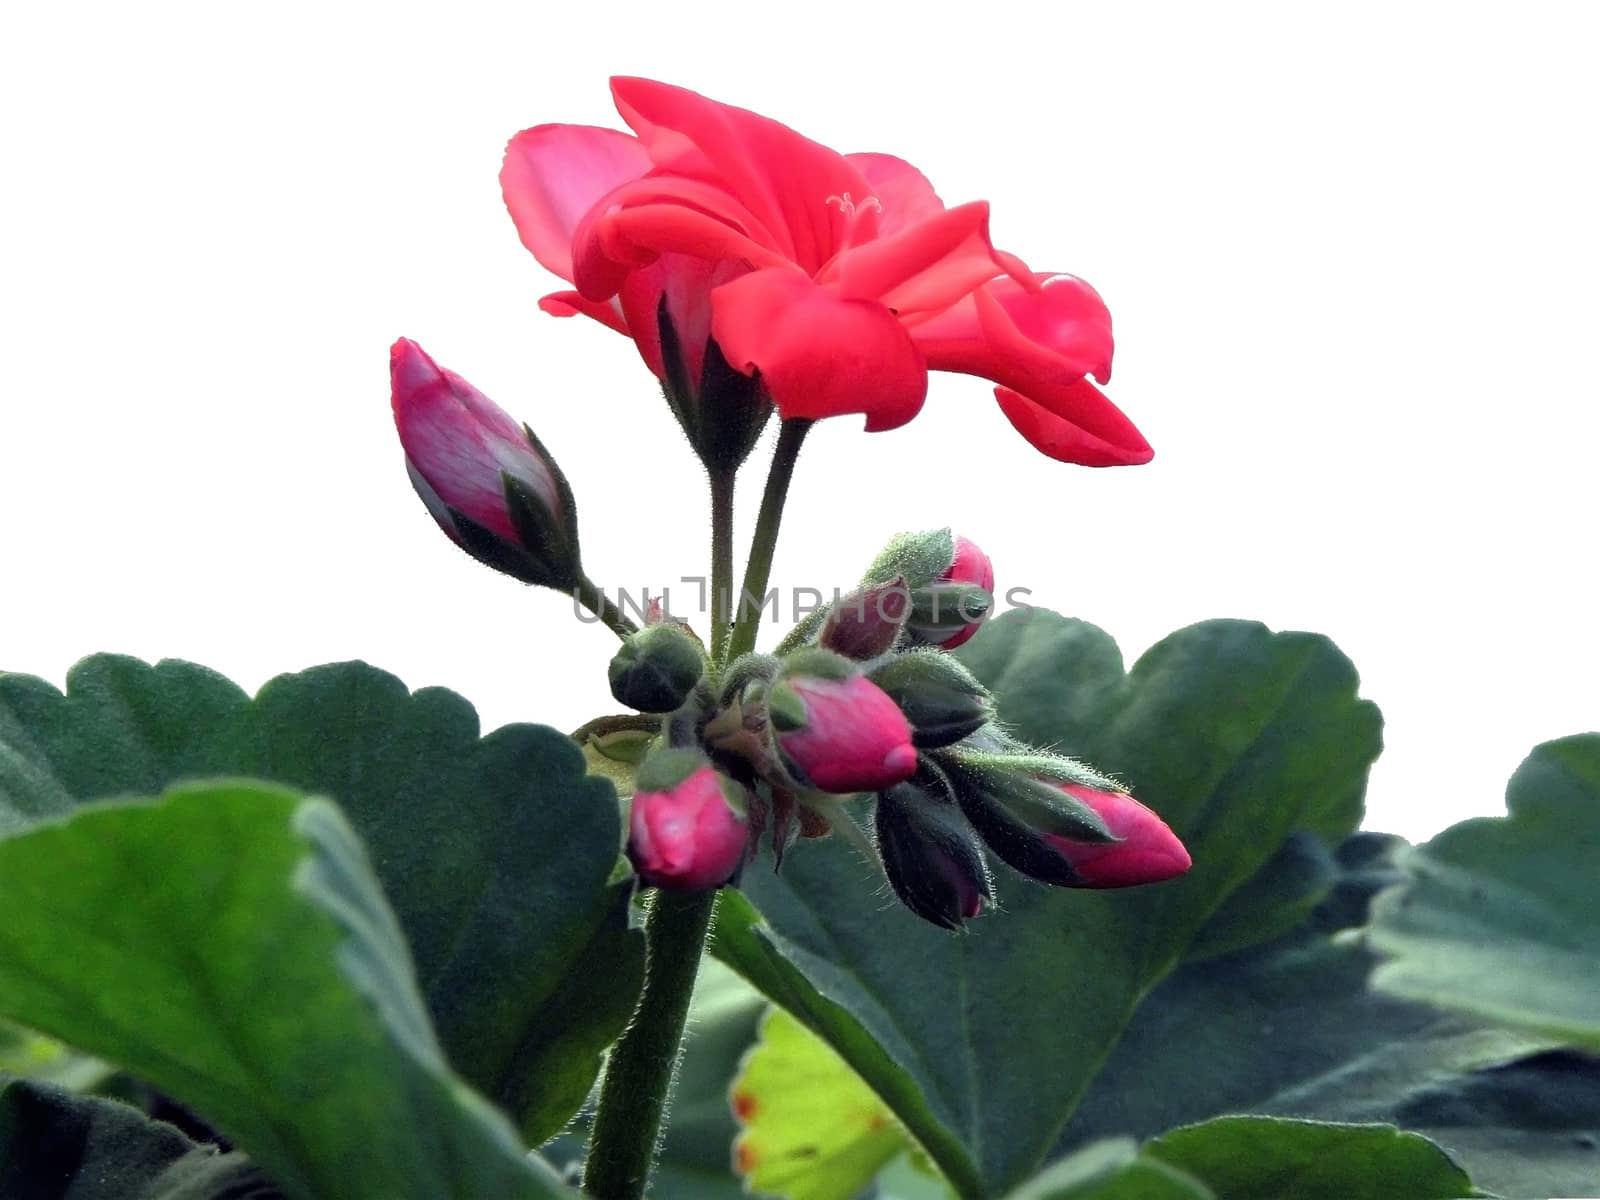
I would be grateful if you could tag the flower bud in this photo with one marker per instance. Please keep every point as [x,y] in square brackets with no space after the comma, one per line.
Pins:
[1014,812]
[940,698]
[1147,852]
[933,861]
[656,668]
[686,825]
[487,481]
[836,730]
[970,569]
[867,623]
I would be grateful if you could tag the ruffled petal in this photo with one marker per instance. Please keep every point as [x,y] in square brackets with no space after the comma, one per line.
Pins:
[785,179]
[1018,337]
[903,193]
[554,174]
[925,267]
[1076,424]
[633,225]
[818,354]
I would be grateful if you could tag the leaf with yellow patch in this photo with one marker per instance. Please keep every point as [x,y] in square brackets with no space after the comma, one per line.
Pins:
[810,1129]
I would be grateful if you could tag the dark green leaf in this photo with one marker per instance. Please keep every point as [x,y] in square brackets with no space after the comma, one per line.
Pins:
[982,1044]
[497,853]
[1111,1170]
[230,943]
[1269,1158]
[1500,917]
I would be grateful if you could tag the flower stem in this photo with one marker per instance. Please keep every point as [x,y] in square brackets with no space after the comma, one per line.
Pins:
[640,1075]
[721,563]
[747,618]
[588,594]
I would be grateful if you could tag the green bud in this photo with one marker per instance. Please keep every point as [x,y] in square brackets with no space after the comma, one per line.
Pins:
[656,669]
[941,699]
[1008,783]
[940,609]
[723,412]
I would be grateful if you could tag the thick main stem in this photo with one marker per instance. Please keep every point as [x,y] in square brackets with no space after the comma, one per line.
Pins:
[747,612]
[721,563]
[643,1066]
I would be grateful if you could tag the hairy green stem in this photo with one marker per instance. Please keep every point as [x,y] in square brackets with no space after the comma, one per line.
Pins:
[721,563]
[588,594]
[643,1066]
[747,612]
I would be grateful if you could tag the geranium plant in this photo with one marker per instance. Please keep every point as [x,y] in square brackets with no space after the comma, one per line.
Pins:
[917,898]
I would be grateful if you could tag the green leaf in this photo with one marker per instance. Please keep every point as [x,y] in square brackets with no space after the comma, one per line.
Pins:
[497,853]
[58,1146]
[1500,917]
[1111,1170]
[812,1129]
[230,943]
[982,1044]
[1292,1029]
[1267,1158]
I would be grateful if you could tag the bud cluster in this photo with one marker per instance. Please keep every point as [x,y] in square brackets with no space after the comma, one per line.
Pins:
[863,698]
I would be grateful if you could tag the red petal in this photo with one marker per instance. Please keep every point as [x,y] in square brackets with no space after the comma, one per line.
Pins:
[1018,337]
[686,283]
[903,193]
[818,354]
[639,221]
[785,179]
[1079,426]
[554,174]
[926,267]
[573,304]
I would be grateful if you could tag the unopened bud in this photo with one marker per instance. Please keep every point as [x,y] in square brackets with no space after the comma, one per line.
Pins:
[867,623]
[720,410]
[931,857]
[836,730]
[1147,852]
[687,826]
[1013,811]
[485,479]
[940,698]
[656,669]
[971,570]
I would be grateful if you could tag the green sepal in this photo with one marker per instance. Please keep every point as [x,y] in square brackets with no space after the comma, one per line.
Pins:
[918,557]
[664,770]
[941,699]
[816,663]
[785,709]
[945,608]
[549,544]
[723,413]
[1009,783]
[656,669]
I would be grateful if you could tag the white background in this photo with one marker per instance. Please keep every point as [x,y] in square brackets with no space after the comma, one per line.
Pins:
[1351,251]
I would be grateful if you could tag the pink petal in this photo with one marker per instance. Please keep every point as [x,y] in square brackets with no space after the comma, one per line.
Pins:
[785,179]
[1017,337]
[554,174]
[1079,426]
[686,283]
[903,193]
[819,355]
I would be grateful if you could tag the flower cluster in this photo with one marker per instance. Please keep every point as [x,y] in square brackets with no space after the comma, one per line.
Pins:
[864,699]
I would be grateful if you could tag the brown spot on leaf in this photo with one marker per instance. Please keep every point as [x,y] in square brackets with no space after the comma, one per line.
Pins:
[744,1106]
[744,1158]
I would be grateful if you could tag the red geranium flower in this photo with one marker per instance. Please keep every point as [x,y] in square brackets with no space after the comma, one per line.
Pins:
[839,279]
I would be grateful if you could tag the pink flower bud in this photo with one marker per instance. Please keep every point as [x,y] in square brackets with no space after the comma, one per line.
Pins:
[470,461]
[842,735]
[690,837]
[1148,851]
[973,569]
